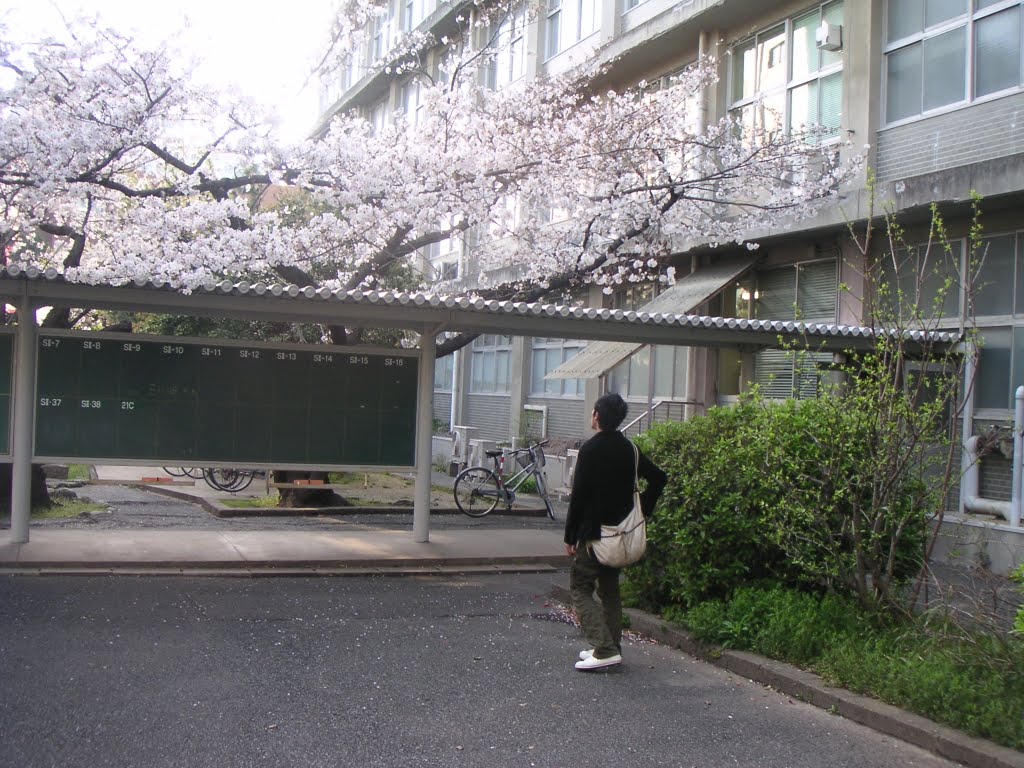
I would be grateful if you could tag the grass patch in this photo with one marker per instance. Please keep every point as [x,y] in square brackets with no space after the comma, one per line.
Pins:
[64,508]
[258,502]
[368,480]
[78,472]
[968,680]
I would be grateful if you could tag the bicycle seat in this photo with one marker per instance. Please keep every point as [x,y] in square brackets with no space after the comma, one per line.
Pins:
[493,454]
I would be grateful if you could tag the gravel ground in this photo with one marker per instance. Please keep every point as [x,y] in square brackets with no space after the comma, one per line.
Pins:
[127,507]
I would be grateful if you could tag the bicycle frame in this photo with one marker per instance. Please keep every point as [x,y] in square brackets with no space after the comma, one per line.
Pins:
[512,482]
[483,482]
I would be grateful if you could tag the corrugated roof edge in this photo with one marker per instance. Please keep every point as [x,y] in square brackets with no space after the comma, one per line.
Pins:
[292,291]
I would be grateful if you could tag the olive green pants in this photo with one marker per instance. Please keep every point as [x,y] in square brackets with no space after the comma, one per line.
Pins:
[600,622]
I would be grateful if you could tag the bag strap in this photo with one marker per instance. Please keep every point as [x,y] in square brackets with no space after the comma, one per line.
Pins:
[636,466]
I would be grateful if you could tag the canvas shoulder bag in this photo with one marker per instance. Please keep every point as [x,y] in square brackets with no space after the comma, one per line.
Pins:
[623,544]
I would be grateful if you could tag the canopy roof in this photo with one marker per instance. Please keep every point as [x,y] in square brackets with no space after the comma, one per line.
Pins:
[429,313]
[682,298]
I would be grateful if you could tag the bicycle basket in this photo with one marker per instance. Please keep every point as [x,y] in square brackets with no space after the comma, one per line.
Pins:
[523,459]
[538,456]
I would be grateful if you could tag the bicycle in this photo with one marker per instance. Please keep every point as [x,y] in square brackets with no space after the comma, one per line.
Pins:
[479,489]
[194,472]
[230,480]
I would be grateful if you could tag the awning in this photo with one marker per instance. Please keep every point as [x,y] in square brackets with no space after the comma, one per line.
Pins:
[682,298]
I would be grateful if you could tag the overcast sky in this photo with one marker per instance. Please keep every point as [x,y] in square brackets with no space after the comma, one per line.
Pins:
[266,50]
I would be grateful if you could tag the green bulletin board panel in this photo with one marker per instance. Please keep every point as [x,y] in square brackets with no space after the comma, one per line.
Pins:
[201,401]
[6,388]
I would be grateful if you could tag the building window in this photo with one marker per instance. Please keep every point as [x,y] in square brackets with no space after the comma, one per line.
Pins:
[443,259]
[378,118]
[415,12]
[940,53]
[548,354]
[553,29]
[489,365]
[629,5]
[568,23]
[381,36]
[632,297]
[781,81]
[444,373]
[808,292]
[587,13]
[924,282]
[998,301]
[412,102]
[632,377]
[509,40]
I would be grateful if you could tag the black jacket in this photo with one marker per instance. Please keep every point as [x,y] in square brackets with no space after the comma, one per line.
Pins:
[602,486]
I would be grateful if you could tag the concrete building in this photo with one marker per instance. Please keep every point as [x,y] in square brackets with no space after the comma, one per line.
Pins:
[933,88]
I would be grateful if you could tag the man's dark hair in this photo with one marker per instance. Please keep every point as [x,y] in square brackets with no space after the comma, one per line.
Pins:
[611,411]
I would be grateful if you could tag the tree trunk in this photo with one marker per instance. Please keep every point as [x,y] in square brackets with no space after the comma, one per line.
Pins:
[40,493]
[311,496]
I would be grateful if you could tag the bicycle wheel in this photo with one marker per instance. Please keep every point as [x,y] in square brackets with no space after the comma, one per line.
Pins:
[245,477]
[175,471]
[476,491]
[196,473]
[222,479]
[542,491]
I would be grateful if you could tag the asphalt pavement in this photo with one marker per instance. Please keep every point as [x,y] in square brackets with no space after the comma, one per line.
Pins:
[465,661]
[175,528]
[450,671]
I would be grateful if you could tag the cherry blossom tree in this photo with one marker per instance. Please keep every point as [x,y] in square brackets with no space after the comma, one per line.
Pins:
[114,167]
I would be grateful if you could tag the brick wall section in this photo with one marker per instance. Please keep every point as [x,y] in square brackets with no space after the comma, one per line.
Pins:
[995,479]
[973,134]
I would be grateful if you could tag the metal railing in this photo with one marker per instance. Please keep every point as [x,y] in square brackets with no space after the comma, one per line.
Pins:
[662,410]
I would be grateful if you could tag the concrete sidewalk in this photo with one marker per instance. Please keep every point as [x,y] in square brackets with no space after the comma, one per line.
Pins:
[176,551]
[264,552]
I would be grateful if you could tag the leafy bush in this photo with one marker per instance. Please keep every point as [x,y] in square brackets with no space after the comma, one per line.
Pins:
[782,623]
[782,491]
[708,536]
[969,681]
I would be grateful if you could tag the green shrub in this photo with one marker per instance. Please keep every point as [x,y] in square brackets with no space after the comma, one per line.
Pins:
[784,491]
[707,536]
[782,623]
[973,682]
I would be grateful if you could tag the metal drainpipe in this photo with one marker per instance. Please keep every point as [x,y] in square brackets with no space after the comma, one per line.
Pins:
[1018,457]
[695,391]
[967,427]
[453,406]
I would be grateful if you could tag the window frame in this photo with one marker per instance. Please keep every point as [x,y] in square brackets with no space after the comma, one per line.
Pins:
[487,350]
[545,345]
[968,21]
[509,63]
[1011,324]
[783,92]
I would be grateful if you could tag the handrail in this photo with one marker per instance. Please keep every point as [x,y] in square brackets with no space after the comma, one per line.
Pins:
[668,406]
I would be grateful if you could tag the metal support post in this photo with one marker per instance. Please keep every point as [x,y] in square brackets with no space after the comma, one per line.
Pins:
[424,433]
[1018,455]
[24,421]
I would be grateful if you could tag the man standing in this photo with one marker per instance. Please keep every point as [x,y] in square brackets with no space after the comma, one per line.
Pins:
[602,494]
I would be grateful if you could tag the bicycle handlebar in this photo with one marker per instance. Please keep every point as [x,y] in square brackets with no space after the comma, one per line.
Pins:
[528,448]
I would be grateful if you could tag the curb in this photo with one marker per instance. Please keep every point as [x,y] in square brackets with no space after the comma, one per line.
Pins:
[270,571]
[222,510]
[906,726]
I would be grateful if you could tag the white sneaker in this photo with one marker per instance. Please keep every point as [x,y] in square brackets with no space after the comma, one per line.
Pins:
[584,655]
[595,663]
